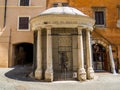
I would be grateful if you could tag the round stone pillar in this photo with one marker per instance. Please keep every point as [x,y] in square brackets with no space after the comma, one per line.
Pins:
[49,69]
[38,71]
[81,70]
[90,71]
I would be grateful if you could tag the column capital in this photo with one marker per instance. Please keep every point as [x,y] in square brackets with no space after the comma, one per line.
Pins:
[80,27]
[34,29]
[38,28]
[79,32]
[89,28]
[48,27]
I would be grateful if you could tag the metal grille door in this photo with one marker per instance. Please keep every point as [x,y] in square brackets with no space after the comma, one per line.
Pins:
[65,60]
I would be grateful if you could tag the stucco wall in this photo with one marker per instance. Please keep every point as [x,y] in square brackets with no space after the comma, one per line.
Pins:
[111,15]
[111,32]
[12,14]
[1,13]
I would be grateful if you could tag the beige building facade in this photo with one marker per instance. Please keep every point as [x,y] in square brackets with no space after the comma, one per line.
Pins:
[11,34]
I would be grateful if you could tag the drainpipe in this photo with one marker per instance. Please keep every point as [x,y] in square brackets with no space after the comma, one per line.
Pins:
[5,11]
[9,49]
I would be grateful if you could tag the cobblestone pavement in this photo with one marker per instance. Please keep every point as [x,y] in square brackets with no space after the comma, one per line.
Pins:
[16,79]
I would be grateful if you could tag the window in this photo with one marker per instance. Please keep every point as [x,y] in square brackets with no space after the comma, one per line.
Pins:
[118,21]
[64,4]
[118,6]
[60,4]
[119,12]
[99,15]
[23,23]
[24,2]
[55,4]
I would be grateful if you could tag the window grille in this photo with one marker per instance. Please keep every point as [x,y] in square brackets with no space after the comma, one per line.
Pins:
[24,2]
[99,15]
[23,22]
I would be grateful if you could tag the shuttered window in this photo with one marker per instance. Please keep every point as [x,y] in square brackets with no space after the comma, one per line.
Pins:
[118,6]
[24,2]
[23,22]
[60,4]
[99,17]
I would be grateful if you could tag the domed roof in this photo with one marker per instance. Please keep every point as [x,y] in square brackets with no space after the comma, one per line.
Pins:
[62,10]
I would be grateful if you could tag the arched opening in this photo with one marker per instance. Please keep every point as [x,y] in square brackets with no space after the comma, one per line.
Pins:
[23,54]
[99,57]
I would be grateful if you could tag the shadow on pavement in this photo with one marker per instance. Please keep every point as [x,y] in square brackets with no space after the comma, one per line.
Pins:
[20,72]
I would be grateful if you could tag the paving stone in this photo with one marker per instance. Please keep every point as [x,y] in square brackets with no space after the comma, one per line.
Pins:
[102,81]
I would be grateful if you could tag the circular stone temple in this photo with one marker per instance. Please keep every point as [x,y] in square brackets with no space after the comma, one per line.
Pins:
[62,44]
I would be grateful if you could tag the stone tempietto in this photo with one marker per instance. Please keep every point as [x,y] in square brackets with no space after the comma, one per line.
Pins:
[65,32]
[61,43]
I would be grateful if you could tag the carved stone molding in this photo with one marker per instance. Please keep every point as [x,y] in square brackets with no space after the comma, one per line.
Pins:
[68,21]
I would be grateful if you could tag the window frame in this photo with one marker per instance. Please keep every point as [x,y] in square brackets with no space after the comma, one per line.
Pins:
[118,12]
[100,9]
[55,5]
[63,4]
[25,5]
[19,24]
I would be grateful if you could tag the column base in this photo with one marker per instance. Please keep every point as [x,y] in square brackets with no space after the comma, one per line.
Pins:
[90,73]
[38,74]
[49,75]
[81,74]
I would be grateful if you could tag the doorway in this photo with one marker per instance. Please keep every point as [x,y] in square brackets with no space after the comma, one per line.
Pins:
[99,57]
[23,54]
[63,64]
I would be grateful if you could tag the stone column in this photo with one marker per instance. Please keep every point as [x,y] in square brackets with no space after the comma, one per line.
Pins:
[81,70]
[112,60]
[90,71]
[49,69]
[38,71]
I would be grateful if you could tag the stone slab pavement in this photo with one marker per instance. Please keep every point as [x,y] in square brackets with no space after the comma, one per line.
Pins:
[15,79]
